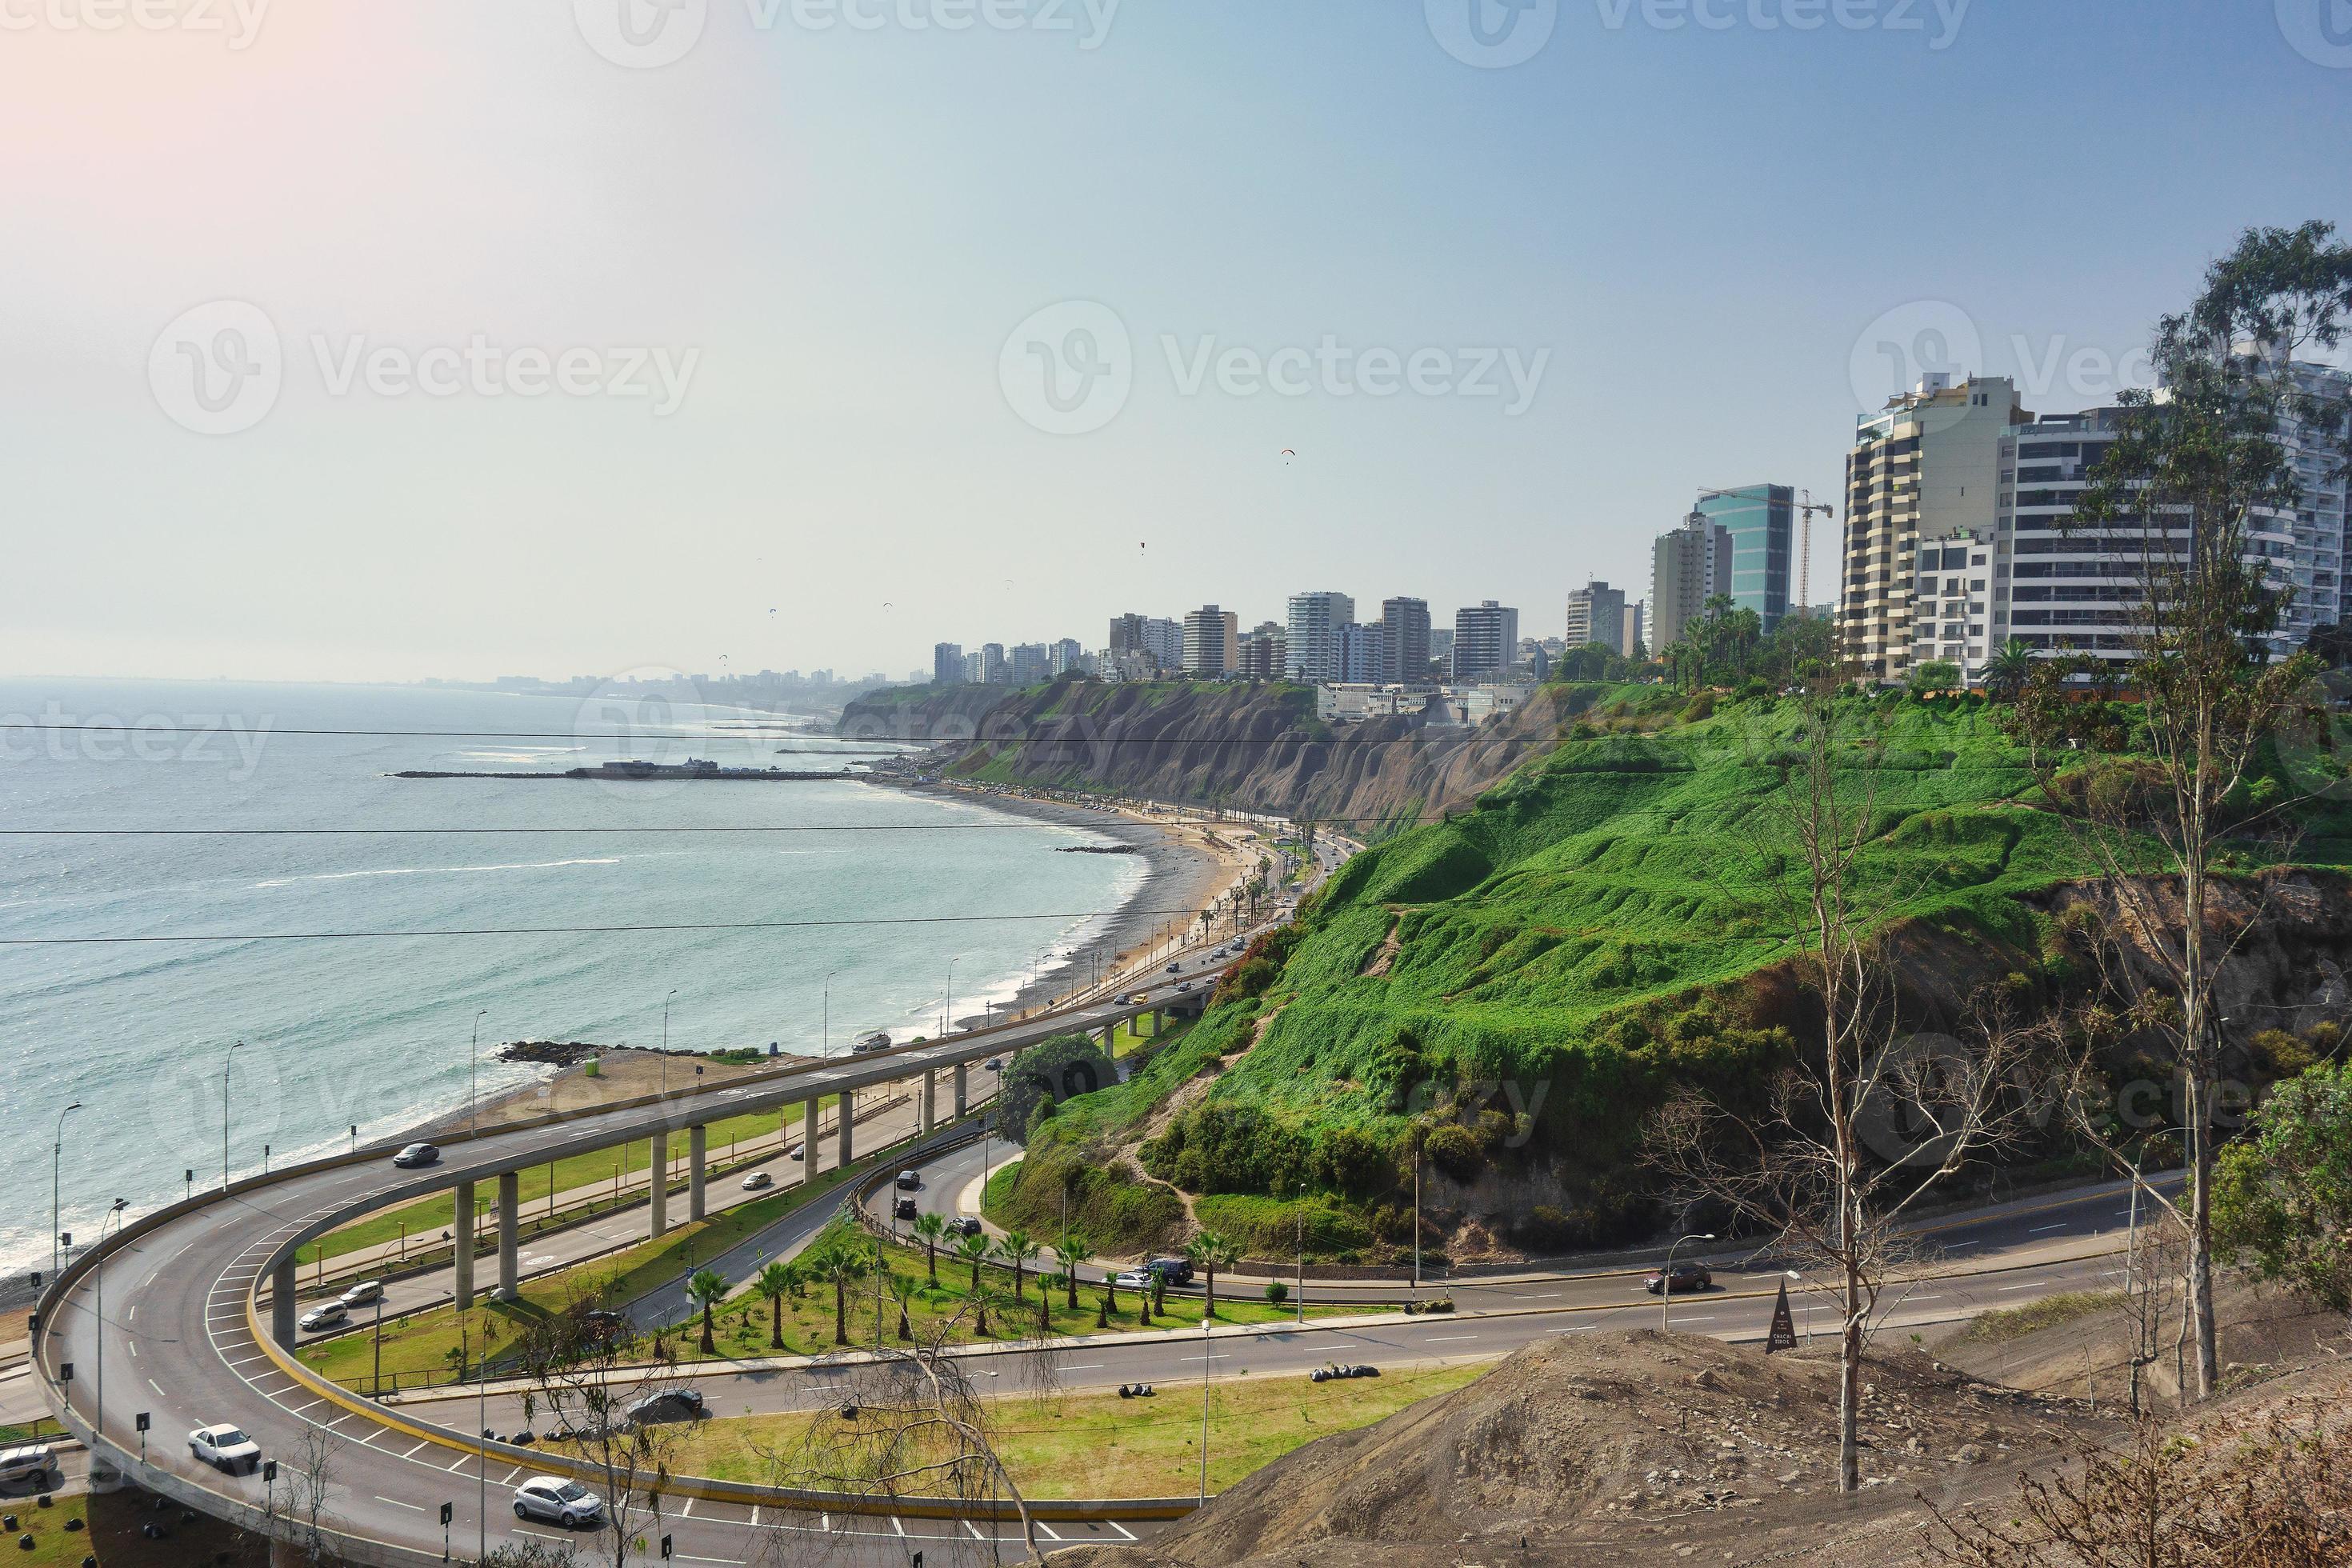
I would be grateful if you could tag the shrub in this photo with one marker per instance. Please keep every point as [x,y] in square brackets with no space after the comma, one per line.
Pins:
[1276,1292]
[1455,1152]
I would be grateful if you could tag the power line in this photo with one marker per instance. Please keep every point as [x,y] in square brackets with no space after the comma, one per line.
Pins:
[117,729]
[499,832]
[571,931]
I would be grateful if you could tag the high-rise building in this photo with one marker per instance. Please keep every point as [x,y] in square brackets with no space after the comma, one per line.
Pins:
[1161,640]
[1687,567]
[975,667]
[1033,664]
[1070,657]
[1635,643]
[1485,640]
[1264,651]
[1313,634]
[1125,634]
[1761,520]
[1596,614]
[1924,473]
[1361,652]
[993,670]
[1211,642]
[1404,641]
[947,664]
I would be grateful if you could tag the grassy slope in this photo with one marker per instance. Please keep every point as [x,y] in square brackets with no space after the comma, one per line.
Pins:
[1556,935]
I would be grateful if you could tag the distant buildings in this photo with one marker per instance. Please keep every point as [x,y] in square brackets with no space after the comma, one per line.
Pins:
[1211,642]
[1761,521]
[1265,653]
[1485,640]
[1596,614]
[1315,621]
[1687,566]
[1362,652]
[994,669]
[947,664]
[1405,641]
[1031,664]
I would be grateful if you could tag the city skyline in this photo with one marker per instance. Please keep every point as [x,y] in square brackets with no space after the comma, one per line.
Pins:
[777,374]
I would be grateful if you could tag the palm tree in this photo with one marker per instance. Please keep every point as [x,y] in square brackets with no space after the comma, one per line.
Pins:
[706,1290]
[1210,1251]
[778,1281]
[1017,1250]
[841,1260]
[974,1249]
[901,1290]
[1073,1251]
[930,1229]
[2006,673]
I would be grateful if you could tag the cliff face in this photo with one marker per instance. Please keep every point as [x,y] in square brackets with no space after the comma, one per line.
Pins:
[1257,747]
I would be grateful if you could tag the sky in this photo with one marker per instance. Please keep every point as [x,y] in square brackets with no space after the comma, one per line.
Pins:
[442,338]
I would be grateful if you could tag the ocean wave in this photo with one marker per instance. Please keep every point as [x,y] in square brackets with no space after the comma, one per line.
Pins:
[440,870]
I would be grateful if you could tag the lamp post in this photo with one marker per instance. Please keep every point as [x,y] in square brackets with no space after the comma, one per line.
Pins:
[473,1077]
[825,1040]
[665,1061]
[56,1168]
[947,1009]
[1666,1280]
[1206,1363]
[98,1272]
[228,1060]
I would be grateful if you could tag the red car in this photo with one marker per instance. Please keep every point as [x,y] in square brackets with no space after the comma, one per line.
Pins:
[1682,1277]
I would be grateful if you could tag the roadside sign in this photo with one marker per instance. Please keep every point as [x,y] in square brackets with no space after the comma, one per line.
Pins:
[1783,1336]
[141,1421]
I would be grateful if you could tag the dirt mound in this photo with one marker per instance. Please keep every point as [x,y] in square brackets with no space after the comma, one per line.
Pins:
[1618,1446]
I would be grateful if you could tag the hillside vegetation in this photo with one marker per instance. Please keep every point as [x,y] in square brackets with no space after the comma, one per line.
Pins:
[1532,975]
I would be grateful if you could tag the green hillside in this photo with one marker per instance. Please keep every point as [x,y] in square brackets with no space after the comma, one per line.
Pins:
[1540,968]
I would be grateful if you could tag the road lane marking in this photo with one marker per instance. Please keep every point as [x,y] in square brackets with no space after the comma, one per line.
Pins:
[411,1453]
[2028,1284]
[1447,1338]
[1121,1528]
[2038,1230]
[411,1507]
[687,1512]
[159,1392]
[897,1526]
[1546,1296]
[510,1475]
[1048,1531]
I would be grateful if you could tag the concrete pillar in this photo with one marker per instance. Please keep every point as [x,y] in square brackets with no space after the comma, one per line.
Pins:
[844,1116]
[464,1231]
[930,1088]
[282,1287]
[509,1211]
[962,1101]
[808,1140]
[697,1149]
[659,1184]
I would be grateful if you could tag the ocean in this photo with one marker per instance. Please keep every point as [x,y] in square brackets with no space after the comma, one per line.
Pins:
[375,1033]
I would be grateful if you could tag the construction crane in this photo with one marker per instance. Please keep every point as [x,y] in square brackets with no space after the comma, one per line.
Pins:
[1808,506]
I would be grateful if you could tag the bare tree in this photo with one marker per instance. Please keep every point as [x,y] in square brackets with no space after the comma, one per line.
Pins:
[1866,1120]
[584,1377]
[310,1473]
[2197,471]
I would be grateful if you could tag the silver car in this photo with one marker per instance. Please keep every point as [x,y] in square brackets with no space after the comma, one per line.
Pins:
[560,1503]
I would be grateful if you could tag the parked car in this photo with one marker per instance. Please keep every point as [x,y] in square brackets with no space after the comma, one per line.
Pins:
[1178,1269]
[906,1208]
[1338,1371]
[366,1293]
[326,1315]
[910,1181]
[566,1504]
[225,1448]
[36,1462]
[1134,1278]
[1680,1278]
[417,1154]
[667,1406]
[967,1226]
[601,1323]
[760,1180]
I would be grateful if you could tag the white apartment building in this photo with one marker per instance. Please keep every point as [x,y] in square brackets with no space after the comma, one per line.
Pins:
[1211,642]
[1311,636]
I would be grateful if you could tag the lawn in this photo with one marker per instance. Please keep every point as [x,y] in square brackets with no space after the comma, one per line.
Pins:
[429,1217]
[1098,1444]
[54,1544]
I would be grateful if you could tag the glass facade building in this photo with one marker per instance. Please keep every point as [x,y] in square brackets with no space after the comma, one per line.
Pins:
[1761,521]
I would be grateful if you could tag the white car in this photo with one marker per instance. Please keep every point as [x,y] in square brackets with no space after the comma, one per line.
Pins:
[558,1501]
[760,1180]
[224,1447]
[1134,1278]
[367,1292]
[326,1315]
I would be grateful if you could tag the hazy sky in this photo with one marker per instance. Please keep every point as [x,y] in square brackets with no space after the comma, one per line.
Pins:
[834,247]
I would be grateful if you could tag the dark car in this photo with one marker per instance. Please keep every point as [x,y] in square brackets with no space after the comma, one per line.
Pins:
[417,1154]
[967,1226]
[906,1208]
[1680,1278]
[910,1181]
[1176,1270]
[669,1406]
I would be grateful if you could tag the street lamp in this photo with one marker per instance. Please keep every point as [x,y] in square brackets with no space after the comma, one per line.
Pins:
[947,1011]
[228,1060]
[1666,1280]
[98,1265]
[665,1061]
[825,1040]
[473,1077]
[56,1166]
